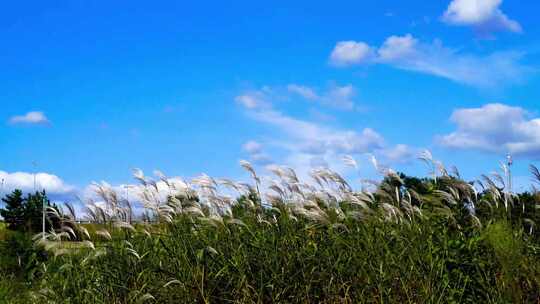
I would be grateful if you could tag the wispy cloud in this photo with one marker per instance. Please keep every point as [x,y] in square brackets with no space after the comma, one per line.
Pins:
[31,118]
[399,153]
[496,128]
[310,143]
[408,53]
[315,139]
[340,97]
[252,147]
[255,153]
[484,15]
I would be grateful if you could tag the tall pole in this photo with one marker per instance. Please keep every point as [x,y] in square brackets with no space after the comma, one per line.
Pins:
[34,164]
[43,217]
[510,162]
[2,189]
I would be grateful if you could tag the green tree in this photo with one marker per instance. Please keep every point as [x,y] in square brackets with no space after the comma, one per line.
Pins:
[13,213]
[33,210]
[25,214]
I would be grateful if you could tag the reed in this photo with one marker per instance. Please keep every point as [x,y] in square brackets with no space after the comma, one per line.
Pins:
[438,239]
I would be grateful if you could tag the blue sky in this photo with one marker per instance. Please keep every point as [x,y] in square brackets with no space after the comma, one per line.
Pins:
[91,89]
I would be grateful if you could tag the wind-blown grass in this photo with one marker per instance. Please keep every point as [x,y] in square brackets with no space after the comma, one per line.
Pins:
[433,240]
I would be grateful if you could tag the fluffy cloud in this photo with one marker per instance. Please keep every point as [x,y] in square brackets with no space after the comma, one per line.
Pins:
[408,53]
[399,154]
[484,14]
[256,154]
[397,48]
[495,128]
[252,147]
[308,143]
[340,97]
[349,52]
[55,186]
[30,118]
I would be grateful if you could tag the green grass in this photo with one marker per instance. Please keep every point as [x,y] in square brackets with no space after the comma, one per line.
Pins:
[301,262]
[410,241]
[2,231]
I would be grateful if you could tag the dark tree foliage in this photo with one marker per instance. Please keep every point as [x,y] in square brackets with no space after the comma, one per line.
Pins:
[26,214]
[13,213]
[33,211]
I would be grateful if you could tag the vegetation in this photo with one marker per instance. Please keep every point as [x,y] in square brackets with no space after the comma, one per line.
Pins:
[25,214]
[431,240]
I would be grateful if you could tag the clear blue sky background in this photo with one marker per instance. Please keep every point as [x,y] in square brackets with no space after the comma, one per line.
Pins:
[144,84]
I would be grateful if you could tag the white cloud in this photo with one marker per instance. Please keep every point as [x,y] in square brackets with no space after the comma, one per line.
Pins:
[397,47]
[495,128]
[408,53]
[304,91]
[253,99]
[252,147]
[400,153]
[484,14]
[261,159]
[340,97]
[303,144]
[25,182]
[256,154]
[349,52]
[30,118]
[311,138]
[306,134]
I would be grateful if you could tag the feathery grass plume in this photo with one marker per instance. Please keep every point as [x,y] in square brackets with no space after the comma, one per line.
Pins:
[145,298]
[104,234]
[71,210]
[426,157]
[139,175]
[535,172]
[124,225]
[314,241]
[381,169]
[248,167]
[455,172]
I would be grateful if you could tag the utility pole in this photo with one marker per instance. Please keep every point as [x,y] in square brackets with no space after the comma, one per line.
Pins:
[34,164]
[43,217]
[2,189]
[509,163]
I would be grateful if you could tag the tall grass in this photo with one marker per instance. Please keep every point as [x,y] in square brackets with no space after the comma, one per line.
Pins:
[436,240]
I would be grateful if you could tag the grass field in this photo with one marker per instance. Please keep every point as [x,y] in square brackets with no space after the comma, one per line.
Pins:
[410,240]
[2,231]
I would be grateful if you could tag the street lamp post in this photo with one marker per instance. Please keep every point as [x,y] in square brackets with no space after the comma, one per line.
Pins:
[2,189]
[43,217]
[34,164]
[509,162]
